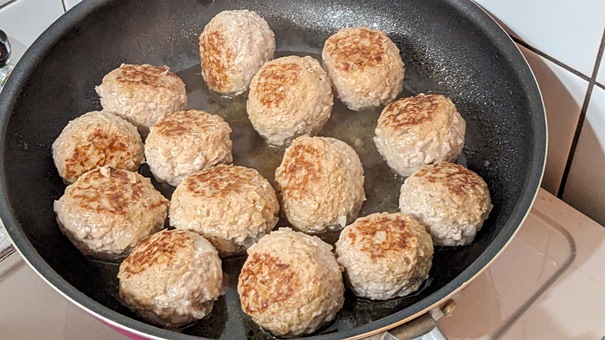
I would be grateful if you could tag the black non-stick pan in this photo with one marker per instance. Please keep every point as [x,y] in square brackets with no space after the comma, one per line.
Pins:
[449,46]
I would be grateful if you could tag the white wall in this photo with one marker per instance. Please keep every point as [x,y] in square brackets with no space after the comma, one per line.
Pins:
[563,40]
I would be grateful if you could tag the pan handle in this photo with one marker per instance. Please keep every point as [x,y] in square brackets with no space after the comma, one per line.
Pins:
[409,330]
[5,54]
[420,327]
[5,49]
[6,247]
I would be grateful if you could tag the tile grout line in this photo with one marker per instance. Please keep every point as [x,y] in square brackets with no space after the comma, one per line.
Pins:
[574,144]
[64,6]
[551,59]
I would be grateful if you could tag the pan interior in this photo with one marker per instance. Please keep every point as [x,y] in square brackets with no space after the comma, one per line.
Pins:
[445,50]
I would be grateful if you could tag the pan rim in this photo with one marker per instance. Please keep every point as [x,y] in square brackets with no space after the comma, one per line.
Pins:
[35,54]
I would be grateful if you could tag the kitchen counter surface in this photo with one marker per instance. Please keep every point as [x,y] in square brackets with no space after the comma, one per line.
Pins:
[31,309]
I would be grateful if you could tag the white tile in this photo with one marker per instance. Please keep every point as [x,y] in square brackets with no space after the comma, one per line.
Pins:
[585,188]
[563,94]
[24,20]
[70,3]
[569,31]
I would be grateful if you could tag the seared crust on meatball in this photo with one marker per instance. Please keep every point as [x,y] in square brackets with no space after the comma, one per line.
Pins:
[233,47]
[96,139]
[291,283]
[231,206]
[365,67]
[289,97]
[171,278]
[385,255]
[184,142]
[451,200]
[420,130]
[321,184]
[141,94]
[107,211]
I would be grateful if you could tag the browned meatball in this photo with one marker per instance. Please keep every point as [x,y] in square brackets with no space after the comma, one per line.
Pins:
[289,97]
[321,184]
[107,211]
[291,283]
[385,255]
[420,130]
[142,94]
[233,47]
[185,142]
[171,278]
[365,67]
[451,200]
[231,206]
[96,139]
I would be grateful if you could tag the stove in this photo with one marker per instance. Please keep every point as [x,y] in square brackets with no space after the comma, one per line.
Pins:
[547,284]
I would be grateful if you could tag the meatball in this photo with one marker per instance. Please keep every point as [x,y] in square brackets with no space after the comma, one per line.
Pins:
[321,184]
[231,206]
[96,139]
[365,67]
[452,201]
[142,94]
[385,255]
[185,142]
[233,47]
[171,278]
[420,130]
[291,283]
[107,211]
[289,97]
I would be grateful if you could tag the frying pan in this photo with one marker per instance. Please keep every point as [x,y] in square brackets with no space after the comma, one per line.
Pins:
[449,46]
